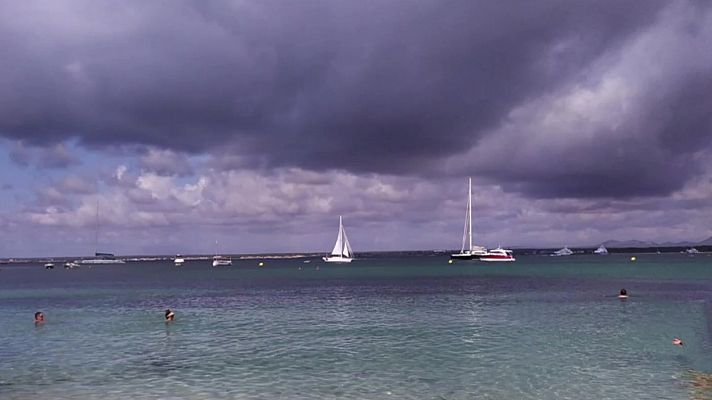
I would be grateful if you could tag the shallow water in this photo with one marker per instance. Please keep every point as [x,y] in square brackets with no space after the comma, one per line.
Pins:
[382,328]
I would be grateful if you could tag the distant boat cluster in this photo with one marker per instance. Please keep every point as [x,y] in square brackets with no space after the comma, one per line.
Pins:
[343,253]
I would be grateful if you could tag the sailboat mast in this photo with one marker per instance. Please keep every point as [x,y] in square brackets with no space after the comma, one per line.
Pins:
[469,212]
[96,229]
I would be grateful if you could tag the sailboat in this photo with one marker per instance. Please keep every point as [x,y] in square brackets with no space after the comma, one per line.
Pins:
[342,252]
[468,251]
[99,257]
[220,261]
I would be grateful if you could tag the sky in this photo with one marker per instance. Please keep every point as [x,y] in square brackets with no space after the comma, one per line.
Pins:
[255,124]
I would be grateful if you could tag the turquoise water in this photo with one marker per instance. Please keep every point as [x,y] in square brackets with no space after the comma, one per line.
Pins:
[382,328]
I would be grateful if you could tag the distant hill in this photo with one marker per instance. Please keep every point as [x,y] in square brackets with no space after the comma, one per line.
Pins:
[641,243]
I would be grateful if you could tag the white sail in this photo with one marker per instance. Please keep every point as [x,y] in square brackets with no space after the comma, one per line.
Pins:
[346,252]
[339,246]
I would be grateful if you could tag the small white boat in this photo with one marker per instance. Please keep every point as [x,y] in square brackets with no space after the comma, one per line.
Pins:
[498,255]
[468,251]
[563,252]
[601,250]
[49,266]
[692,251]
[178,261]
[71,265]
[342,252]
[221,261]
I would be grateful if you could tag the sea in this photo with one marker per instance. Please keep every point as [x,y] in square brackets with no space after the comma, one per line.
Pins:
[378,328]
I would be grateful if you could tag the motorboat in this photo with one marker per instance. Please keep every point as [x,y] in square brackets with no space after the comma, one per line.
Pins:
[563,252]
[498,255]
[601,250]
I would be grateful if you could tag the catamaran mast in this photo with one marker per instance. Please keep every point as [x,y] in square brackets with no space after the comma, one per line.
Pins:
[469,212]
[96,229]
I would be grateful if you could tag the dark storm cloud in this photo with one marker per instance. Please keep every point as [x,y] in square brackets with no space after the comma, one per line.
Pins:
[365,86]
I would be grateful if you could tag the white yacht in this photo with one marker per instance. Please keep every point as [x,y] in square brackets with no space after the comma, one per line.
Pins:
[468,251]
[71,265]
[563,252]
[49,266]
[342,252]
[498,255]
[178,261]
[601,250]
[692,251]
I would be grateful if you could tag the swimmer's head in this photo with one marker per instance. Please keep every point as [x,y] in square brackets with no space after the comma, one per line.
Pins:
[169,314]
[39,316]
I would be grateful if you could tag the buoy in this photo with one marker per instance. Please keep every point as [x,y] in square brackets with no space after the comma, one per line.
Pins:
[632,259]
[449,261]
[261,264]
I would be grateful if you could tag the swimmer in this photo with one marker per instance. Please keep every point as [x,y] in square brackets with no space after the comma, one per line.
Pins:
[39,318]
[169,315]
[677,342]
[623,295]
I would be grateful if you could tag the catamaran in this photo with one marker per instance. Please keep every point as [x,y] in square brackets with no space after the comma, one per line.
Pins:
[342,252]
[99,258]
[220,261]
[468,251]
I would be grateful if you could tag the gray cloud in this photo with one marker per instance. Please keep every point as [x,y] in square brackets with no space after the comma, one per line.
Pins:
[56,156]
[384,87]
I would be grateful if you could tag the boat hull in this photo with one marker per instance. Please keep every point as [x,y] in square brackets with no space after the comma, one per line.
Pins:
[342,260]
[222,263]
[497,259]
[465,256]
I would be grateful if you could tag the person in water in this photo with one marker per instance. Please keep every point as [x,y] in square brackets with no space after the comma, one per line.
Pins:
[623,294]
[677,342]
[39,318]
[169,315]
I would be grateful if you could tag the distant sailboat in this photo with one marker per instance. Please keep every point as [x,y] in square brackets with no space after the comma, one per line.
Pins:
[342,252]
[468,251]
[220,261]
[99,257]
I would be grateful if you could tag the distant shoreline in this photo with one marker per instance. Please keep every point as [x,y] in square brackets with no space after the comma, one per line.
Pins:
[365,254]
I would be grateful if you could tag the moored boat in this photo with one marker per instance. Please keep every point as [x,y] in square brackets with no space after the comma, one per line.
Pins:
[221,261]
[563,252]
[178,261]
[469,251]
[601,250]
[498,255]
